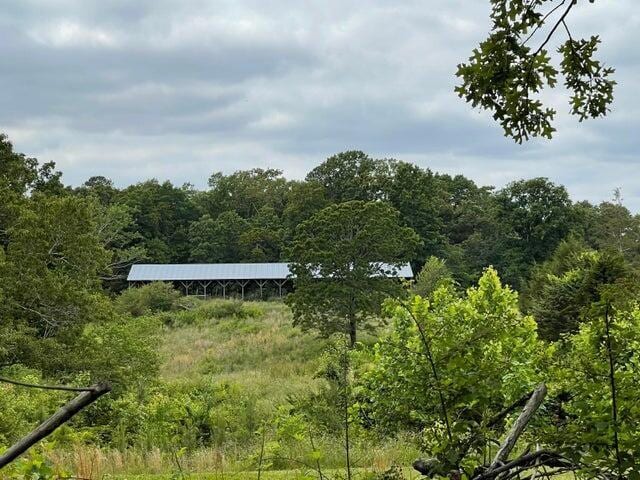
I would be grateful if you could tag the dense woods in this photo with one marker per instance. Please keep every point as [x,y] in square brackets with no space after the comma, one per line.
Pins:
[437,363]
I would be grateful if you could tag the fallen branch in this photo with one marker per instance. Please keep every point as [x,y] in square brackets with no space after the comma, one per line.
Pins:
[46,428]
[531,402]
[529,410]
[521,402]
[541,457]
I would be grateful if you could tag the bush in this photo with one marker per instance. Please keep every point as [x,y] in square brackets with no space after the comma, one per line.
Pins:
[122,352]
[153,298]
[173,416]
[228,308]
[484,354]
[21,409]
[202,312]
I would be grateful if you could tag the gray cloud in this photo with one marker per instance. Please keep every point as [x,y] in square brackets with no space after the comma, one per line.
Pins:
[178,89]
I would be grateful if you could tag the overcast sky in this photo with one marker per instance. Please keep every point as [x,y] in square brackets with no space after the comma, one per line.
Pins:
[135,89]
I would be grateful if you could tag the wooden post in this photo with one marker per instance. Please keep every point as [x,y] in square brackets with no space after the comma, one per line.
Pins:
[186,286]
[242,285]
[261,284]
[47,427]
[204,286]
[223,284]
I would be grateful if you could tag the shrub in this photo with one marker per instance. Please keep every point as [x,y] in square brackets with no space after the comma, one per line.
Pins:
[449,363]
[21,409]
[228,308]
[203,312]
[153,298]
[173,416]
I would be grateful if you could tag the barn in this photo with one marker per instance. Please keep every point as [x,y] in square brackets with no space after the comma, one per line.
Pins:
[223,279]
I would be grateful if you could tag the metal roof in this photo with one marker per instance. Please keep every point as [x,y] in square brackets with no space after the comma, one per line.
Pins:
[223,271]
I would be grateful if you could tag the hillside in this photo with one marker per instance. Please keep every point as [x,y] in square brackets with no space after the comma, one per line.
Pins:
[262,363]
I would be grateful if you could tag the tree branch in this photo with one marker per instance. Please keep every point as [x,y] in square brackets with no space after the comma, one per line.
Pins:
[47,387]
[47,427]
[555,27]
[529,410]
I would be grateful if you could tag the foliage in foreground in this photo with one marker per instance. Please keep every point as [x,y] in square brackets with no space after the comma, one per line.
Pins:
[506,72]
[449,366]
[458,388]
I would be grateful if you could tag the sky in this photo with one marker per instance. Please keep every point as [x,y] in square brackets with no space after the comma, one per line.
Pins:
[180,89]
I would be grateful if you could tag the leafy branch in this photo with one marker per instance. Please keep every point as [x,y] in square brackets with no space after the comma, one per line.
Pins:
[504,74]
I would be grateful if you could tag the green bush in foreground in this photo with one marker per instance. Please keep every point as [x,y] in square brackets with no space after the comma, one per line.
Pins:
[448,365]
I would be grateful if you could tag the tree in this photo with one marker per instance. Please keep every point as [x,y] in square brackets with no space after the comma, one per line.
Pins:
[20,176]
[597,376]
[245,192]
[450,367]
[162,214]
[615,228]
[538,215]
[420,197]
[51,277]
[474,236]
[433,275]
[263,239]
[341,259]
[562,289]
[117,234]
[100,187]
[351,175]
[302,201]
[217,241]
[507,73]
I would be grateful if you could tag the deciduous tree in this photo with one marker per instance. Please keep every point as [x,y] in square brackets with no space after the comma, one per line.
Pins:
[342,257]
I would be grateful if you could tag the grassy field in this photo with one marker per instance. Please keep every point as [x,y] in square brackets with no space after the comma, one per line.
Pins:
[262,354]
[265,354]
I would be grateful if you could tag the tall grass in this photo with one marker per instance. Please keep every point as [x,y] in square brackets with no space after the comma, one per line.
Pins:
[95,463]
[254,348]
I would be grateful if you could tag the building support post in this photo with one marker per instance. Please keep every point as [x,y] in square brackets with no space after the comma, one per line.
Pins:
[242,285]
[261,284]
[204,286]
[186,286]
[223,284]
[280,285]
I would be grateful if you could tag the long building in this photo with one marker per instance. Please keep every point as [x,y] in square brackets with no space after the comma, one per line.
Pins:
[207,279]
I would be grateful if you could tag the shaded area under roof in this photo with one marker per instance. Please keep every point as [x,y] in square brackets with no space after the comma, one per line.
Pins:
[225,271]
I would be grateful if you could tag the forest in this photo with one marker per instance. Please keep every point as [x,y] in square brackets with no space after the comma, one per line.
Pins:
[519,289]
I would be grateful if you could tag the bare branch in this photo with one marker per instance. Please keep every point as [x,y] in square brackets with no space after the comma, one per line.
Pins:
[47,387]
[46,428]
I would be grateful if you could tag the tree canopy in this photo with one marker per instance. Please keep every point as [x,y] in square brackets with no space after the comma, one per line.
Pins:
[341,259]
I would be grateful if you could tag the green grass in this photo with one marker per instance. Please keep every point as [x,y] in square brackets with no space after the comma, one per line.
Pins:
[358,474]
[265,354]
[257,350]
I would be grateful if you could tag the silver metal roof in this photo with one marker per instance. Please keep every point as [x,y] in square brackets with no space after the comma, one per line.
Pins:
[222,271]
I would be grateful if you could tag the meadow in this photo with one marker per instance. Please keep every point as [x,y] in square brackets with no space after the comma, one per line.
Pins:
[254,350]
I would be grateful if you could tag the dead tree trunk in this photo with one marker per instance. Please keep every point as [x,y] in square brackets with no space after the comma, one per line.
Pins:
[501,467]
[47,427]
[529,410]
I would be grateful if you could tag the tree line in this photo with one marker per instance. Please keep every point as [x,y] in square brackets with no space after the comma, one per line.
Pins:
[253,216]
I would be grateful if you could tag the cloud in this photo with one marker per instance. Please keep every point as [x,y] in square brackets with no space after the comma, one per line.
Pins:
[167,89]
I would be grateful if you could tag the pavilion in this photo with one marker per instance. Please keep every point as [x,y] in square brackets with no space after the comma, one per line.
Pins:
[200,278]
